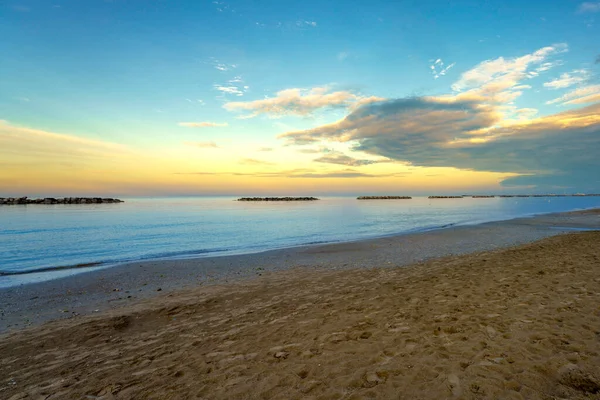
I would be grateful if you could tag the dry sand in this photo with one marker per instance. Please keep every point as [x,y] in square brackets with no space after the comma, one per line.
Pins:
[516,323]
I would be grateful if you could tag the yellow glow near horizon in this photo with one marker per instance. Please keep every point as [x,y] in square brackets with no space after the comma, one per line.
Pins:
[38,162]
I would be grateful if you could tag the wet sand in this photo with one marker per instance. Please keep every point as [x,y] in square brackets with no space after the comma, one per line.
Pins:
[351,320]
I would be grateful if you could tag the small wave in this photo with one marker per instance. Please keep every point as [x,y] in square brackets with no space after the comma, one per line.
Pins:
[159,256]
[49,269]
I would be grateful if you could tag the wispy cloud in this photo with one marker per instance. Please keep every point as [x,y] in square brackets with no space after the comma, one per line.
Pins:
[222,6]
[590,7]
[21,142]
[342,55]
[253,161]
[306,173]
[203,124]
[21,8]
[501,74]
[265,149]
[582,95]
[438,68]
[234,90]
[300,102]
[303,23]
[221,66]
[202,145]
[567,79]
[234,86]
[342,159]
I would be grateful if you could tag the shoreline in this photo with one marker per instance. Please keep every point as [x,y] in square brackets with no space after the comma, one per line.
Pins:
[102,289]
[90,266]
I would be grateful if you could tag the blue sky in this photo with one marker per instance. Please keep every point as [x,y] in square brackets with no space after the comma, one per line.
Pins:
[135,72]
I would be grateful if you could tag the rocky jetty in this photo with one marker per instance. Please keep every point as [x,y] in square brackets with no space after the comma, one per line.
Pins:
[483,197]
[52,200]
[277,199]
[445,197]
[384,198]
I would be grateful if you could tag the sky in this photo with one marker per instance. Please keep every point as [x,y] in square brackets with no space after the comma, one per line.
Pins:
[168,97]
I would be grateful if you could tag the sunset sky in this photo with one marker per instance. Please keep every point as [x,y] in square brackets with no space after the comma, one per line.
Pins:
[148,97]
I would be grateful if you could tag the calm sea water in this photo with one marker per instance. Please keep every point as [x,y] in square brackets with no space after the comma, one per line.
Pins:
[33,238]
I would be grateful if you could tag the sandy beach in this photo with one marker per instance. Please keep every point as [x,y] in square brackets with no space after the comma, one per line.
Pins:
[500,310]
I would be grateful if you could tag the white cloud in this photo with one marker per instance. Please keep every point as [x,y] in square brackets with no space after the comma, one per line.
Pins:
[234,86]
[499,81]
[299,102]
[589,7]
[203,124]
[506,70]
[568,79]
[301,23]
[221,66]
[229,90]
[438,69]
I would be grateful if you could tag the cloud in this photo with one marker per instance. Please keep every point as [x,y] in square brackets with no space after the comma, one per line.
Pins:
[221,66]
[582,95]
[496,80]
[265,149]
[298,173]
[253,161]
[424,132]
[567,79]
[303,23]
[38,144]
[309,151]
[343,159]
[202,145]
[590,7]
[438,69]
[411,116]
[479,128]
[300,102]
[20,8]
[342,56]
[231,89]
[203,124]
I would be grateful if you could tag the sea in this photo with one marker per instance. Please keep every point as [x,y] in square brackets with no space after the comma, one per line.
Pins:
[41,242]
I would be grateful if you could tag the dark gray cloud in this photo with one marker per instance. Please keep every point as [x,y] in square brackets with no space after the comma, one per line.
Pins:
[559,150]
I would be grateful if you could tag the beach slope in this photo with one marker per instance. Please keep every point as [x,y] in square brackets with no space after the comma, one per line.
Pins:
[516,323]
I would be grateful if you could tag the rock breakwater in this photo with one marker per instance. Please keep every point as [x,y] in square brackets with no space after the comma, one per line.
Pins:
[384,198]
[277,199]
[52,200]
